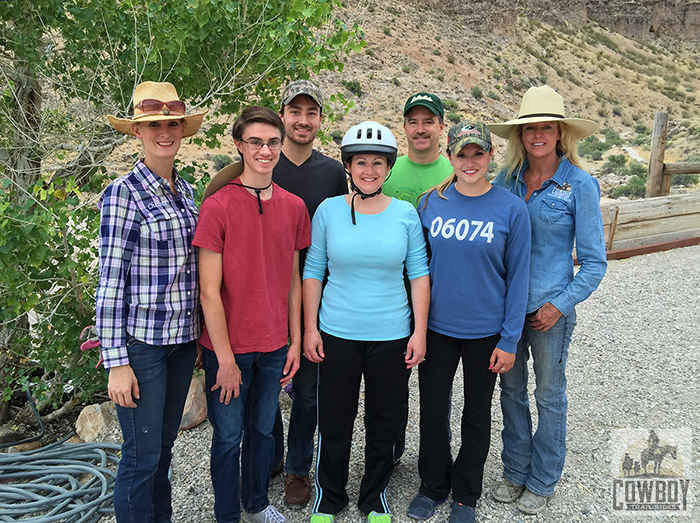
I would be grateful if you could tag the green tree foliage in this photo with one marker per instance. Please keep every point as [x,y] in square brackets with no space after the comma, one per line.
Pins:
[65,65]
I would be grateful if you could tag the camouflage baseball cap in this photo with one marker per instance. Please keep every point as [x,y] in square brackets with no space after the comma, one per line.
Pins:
[298,87]
[468,132]
[429,100]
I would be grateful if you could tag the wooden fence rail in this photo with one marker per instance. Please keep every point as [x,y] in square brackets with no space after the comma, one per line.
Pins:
[659,176]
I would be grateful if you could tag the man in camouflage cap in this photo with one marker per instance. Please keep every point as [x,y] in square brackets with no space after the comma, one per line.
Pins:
[313,177]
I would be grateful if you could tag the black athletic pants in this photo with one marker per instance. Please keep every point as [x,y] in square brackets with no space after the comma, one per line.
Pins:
[438,473]
[384,369]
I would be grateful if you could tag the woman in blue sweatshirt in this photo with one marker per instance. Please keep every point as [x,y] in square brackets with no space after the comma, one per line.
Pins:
[479,243]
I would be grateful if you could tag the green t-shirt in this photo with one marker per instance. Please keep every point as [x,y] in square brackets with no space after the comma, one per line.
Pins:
[409,179]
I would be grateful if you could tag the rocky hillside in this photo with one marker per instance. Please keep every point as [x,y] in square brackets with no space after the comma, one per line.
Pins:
[603,75]
[481,56]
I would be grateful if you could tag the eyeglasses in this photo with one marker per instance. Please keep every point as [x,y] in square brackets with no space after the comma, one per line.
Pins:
[150,106]
[256,145]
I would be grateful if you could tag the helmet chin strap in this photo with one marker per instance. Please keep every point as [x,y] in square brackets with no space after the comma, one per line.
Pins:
[364,196]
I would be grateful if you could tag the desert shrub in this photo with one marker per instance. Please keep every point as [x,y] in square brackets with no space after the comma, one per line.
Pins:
[449,103]
[436,52]
[638,169]
[685,179]
[221,161]
[493,95]
[395,81]
[369,51]
[453,117]
[615,164]
[406,69]
[450,58]
[441,77]
[353,86]
[509,89]
[387,31]
[612,137]
[617,110]
[476,92]
[592,147]
[635,188]
[337,136]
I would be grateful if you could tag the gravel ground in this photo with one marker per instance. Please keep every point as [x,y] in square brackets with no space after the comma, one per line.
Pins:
[633,364]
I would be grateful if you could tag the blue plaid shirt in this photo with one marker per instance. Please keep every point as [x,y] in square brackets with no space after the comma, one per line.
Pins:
[148,285]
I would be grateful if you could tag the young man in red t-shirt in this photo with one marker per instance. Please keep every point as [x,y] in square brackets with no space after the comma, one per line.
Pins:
[249,236]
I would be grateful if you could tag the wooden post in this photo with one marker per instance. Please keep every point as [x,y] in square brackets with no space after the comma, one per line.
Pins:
[655,178]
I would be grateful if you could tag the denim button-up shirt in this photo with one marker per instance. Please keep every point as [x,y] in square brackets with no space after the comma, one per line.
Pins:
[566,207]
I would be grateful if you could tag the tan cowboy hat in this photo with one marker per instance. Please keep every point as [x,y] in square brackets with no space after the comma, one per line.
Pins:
[544,104]
[222,178]
[164,92]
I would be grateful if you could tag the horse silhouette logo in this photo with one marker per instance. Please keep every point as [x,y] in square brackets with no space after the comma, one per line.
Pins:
[651,471]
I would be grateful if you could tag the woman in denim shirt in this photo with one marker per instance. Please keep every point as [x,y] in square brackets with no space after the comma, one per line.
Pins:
[543,168]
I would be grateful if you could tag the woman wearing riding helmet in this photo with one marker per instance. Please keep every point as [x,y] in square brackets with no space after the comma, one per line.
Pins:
[364,239]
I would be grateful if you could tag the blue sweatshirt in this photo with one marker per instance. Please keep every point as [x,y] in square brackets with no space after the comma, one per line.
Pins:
[365,298]
[479,264]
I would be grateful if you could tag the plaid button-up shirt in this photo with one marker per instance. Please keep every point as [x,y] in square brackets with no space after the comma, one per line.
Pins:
[148,285]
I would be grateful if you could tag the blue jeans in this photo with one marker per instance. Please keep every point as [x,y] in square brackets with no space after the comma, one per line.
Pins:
[302,422]
[252,413]
[142,488]
[536,460]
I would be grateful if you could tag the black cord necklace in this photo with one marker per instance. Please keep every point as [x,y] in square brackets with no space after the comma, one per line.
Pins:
[257,192]
[362,195]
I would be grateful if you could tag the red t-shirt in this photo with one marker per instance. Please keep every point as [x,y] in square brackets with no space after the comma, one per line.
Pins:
[258,257]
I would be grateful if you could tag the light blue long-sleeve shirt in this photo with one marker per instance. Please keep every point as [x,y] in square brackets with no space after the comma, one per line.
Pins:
[365,298]
[564,209]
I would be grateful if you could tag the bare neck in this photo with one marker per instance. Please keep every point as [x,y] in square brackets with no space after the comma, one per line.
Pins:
[541,169]
[257,181]
[162,167]
[297,153]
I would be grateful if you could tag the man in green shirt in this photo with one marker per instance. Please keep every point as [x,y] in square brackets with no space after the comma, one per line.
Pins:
[415,173]
[424,166]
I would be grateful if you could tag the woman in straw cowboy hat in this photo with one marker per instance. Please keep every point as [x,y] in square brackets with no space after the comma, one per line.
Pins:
[543,168]
[148,313]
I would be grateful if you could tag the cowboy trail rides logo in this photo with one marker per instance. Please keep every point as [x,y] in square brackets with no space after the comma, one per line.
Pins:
[651,471]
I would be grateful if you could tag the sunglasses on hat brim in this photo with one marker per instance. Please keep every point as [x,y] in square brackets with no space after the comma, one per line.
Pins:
[151,106]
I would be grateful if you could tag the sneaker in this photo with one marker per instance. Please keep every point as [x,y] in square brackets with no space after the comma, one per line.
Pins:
[531,503]
[319,517]
[379,517]
[507,492]
[277,470]
[269,515]
[297,490]
[422,507]
[462,513]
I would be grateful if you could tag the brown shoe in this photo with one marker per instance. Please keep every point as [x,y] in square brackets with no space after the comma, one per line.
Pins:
[297,490]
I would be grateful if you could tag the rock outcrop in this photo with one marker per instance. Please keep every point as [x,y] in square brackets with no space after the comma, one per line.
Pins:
[641,19]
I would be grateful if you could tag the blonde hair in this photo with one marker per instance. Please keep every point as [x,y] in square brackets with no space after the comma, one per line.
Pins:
[567,146]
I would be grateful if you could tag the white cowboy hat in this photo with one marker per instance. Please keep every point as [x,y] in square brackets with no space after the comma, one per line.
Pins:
[163,92]
[544,104]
